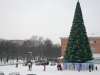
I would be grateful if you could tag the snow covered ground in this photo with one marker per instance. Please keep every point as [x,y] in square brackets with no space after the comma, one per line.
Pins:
[38,70]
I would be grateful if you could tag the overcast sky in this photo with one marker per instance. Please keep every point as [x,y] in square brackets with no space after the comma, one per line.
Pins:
[21,19]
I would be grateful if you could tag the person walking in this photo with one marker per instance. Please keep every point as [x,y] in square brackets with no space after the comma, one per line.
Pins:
[92,67]
[59,67]
[44,65]
[96,68]
[89,67]
[30,65]
[17,63]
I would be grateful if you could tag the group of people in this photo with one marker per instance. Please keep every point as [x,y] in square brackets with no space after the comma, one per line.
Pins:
[28,63]
[92,67]
[67,66]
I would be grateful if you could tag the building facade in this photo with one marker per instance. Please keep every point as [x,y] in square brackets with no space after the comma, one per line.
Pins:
[94,44]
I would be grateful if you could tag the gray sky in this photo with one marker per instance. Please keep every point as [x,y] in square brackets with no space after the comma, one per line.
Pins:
[20,19]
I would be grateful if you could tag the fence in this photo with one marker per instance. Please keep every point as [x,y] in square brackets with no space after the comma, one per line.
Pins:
[80,66]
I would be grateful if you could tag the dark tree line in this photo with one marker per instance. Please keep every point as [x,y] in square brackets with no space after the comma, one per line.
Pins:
[18,48]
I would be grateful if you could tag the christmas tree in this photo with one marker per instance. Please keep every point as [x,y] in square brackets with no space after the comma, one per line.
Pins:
[78,49]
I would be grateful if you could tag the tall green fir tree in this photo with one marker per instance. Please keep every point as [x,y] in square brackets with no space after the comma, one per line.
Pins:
[78,49]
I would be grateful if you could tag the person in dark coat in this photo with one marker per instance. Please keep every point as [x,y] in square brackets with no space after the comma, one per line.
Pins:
[59,67]
[30,65]
[17,63]
[96,68]
[90,67]
[44,67]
